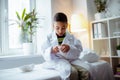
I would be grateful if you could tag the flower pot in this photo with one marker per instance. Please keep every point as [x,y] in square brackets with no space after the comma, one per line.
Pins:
[99,16]
[28,49]
[118,52]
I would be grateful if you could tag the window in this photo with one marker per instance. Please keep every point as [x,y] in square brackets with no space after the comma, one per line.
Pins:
[14,31]
[10,43]
[10,34]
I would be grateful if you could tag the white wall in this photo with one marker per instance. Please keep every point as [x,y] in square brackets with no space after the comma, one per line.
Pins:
[62,6]
[113,8]
[43,8]
[91,10]
[80,7]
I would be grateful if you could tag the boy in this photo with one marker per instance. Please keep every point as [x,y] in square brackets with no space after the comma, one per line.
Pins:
[61,48]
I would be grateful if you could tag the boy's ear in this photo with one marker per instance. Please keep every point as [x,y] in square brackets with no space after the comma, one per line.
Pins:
[68,27]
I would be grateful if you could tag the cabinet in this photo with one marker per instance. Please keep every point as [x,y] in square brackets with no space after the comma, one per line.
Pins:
[105,38]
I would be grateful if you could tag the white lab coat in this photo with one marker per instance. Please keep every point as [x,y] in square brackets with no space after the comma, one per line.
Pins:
[60,61]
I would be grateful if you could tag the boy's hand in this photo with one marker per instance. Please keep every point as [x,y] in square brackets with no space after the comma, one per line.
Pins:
[65,48]
[55,49]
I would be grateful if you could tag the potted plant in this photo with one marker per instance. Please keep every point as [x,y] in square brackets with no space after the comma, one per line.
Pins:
[118,49]
[27,22]
[101,6]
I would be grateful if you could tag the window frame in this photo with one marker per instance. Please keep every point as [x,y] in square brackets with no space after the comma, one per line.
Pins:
[0,27]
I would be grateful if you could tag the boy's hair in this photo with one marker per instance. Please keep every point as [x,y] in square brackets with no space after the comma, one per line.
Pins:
[60,17]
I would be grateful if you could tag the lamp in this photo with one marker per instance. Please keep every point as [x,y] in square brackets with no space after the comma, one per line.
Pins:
[78,23]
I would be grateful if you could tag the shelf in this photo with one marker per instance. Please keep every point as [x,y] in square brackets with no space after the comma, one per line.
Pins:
[100,38]
[105,38]
[114,37]
[115,56]
[106,19]
[105,56]
[117,76]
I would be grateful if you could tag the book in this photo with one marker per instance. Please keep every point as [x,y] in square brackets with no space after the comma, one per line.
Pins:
[101,30]
[95,28]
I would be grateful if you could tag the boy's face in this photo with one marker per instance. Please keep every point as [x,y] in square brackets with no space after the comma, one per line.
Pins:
[60,28]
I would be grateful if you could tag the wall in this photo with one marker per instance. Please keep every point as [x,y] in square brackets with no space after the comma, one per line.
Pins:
[62,6]
[113,8]
[80,7]
[43,8]
[91,10]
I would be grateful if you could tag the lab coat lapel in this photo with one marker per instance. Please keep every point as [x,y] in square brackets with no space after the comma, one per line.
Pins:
[54,40]
[66,39]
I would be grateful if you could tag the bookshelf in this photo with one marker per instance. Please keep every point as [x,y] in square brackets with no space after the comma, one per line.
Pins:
[105,38]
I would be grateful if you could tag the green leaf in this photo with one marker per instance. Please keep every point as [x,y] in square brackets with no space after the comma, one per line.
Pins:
[28,16]
[23,13]
[18,16]
[28,23]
